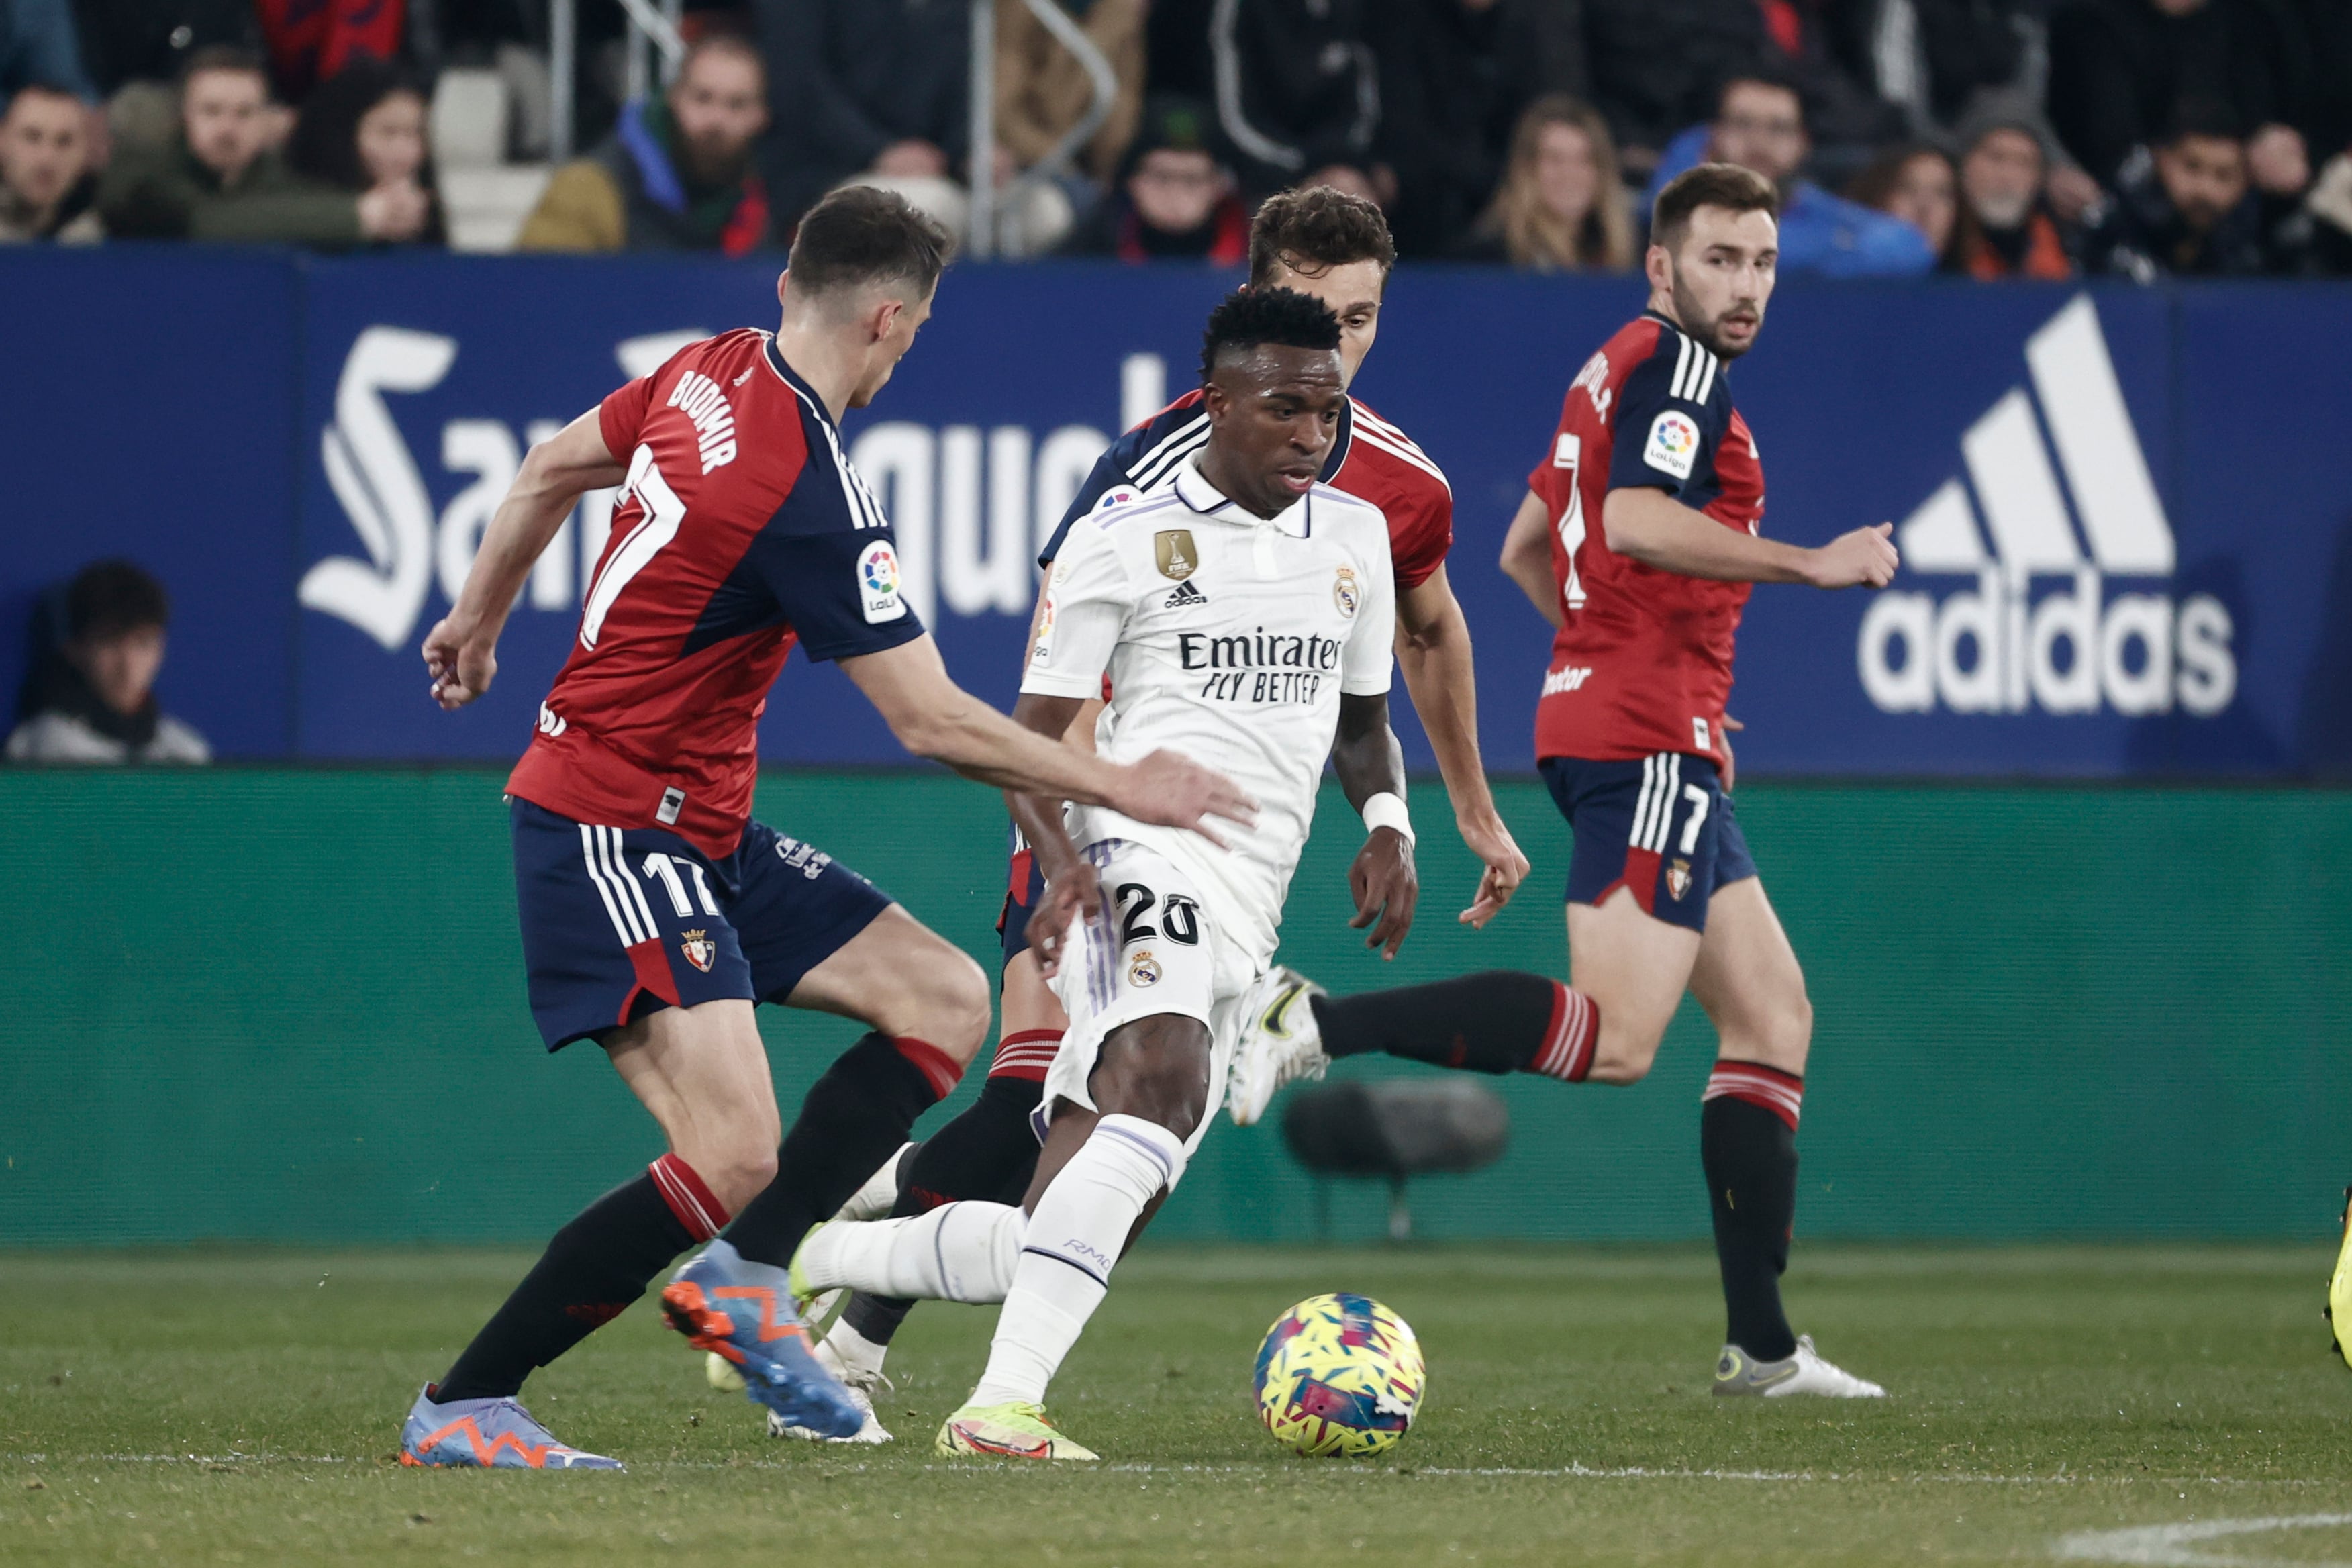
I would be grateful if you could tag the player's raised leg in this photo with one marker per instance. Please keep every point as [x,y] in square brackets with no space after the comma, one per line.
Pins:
[926,1006]
[1749,980]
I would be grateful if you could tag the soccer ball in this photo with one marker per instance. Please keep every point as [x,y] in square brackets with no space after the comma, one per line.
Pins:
[1338,1374]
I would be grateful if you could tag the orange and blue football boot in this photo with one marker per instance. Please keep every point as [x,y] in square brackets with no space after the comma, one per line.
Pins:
[746,1312]
[487,1434]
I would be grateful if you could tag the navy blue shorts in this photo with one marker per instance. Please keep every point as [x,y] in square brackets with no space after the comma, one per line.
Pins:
[620,921]
[1661,825]
[1025,885]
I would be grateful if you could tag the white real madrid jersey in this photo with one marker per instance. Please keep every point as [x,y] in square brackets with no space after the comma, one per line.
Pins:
[1228,638]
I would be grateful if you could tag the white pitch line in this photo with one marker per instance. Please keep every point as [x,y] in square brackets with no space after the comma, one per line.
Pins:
[2174,1545]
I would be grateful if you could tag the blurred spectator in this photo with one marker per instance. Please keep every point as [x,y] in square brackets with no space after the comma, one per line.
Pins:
[2118,67]
[1042,92]
[1918,183]
[38,47]
[1931,59]
[137,50]
[1760,125]
[2008,227]
[46,186]
[1561,204]
[2186,208]
[1656,66]
[1454,76]
[218,180]
[1176,202]
[677,173]
[1298,89]
[364,130]
[866,87]
[2327,224]
[90,696]
[311,40]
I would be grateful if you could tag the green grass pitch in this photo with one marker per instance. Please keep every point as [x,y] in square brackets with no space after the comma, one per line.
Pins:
[234,1407]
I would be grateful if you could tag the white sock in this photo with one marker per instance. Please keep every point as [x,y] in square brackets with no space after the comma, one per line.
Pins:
[1074,1241]
[879,1194]
[851,1356]
[957,1252]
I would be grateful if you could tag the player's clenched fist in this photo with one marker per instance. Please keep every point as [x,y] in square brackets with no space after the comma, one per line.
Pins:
[1173,791]
[1864,558]
[461,663]
[1074,890]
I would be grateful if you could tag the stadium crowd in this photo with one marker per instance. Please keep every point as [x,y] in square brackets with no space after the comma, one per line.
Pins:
[1984,138]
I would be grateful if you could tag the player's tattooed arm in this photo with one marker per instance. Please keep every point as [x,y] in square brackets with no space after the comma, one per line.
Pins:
[461,653]
[1071,885]
[1369,762]
[1433,651]
[1650,526]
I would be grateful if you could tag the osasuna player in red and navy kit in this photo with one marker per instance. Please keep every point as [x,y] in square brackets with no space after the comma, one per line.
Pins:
[1337,248]
[1638,540]
[655,913]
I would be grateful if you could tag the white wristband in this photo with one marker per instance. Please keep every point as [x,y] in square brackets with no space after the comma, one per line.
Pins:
[1387,810]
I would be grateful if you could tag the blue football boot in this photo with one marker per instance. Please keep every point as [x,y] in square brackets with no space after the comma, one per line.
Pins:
[487,1434]
[745,1311]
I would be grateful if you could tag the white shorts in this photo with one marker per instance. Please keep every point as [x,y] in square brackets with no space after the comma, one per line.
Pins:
[1156,949]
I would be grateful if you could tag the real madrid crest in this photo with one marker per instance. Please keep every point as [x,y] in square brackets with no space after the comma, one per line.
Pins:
[1143,969]
[1172,548]
[700,949]
[1344,593]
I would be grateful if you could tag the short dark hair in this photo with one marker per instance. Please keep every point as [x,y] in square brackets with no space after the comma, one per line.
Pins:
[722,41]
[49,89]
[1765,76]
[1726,185]
[859,235]
[223,58]
[2200,115]
[1313,230]
[107,599]
[1252,317]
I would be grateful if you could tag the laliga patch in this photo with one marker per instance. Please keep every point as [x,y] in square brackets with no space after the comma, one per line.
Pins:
[1143,969]
[1343,592]
[877,584]
[1042,650]
[1672,446]
[1118,495]
[699,948]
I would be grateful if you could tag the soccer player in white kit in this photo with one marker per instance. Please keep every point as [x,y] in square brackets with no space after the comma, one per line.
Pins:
[1244,619]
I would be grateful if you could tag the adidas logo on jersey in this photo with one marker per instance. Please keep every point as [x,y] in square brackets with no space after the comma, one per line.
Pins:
[1998,648]
[1185,596]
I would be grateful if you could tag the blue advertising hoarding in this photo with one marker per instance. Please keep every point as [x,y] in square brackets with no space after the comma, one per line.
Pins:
[2126,520]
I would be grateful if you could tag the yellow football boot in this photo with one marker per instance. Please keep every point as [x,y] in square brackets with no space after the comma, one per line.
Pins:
[1015,1431]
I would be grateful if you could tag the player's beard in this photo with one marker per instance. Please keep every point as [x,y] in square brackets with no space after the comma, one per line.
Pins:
[1708,330]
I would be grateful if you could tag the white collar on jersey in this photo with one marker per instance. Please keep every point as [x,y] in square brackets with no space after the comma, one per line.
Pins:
[1194,491]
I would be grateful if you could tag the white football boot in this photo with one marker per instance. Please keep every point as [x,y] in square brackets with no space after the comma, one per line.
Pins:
[1736,1374]
[857,1375]
[1280,1043]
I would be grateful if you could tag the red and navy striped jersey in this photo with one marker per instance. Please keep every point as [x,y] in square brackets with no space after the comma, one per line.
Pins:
[741,531]
[1371,459]
[1642,662]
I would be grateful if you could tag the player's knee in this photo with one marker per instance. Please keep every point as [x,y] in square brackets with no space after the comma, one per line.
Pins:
[1157,1069]
[952,1006]
[1623,1055]
[738,1170]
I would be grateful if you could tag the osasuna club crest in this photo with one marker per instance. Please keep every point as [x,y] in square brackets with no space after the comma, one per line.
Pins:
[1678,880]
[700,950]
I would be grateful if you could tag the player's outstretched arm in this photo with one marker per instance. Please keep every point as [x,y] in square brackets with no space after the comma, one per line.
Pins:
[1527,558]
[461,652]
[1370,765]
[1433,649]
[933,717]
[1653,528]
